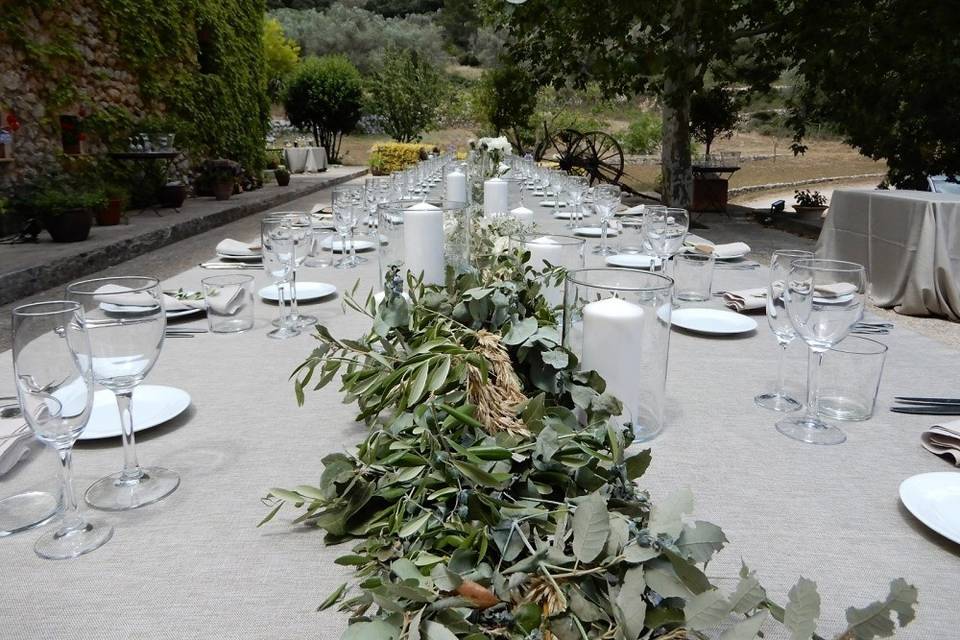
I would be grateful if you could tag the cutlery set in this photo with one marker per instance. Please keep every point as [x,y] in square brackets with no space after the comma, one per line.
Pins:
[866,328]
[927,406]
[231,267]
[182,332]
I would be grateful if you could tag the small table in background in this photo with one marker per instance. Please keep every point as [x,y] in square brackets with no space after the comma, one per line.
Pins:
[710,186]
[305,159]
[146,158]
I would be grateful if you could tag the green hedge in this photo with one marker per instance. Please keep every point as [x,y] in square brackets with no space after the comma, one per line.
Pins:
[395,156]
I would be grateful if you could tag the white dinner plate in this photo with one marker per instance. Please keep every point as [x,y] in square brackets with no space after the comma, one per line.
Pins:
[934,498]
[337,245]
[594,232]
[182,312]
[632,261]
[712,321]
[305,291]
[152,405]
[566,215]
[549,203]
[109,307]
[252,257]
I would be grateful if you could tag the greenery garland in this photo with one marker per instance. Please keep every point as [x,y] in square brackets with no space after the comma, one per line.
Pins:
[494,497]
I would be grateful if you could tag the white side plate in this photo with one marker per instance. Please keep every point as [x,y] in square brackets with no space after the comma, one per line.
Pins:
[934,498]
[712,321]
[252,257]
[152,405]
[594,232]
[632,261]
[305,291]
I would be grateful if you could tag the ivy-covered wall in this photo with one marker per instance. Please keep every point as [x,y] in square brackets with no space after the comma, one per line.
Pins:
[118,67]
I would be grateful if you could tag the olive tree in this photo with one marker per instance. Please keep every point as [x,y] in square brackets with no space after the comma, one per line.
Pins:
[406,93]
[506,100]
[713,115]
[324,97]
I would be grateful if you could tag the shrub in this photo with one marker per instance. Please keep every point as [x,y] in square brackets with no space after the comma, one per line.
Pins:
[644,134]
[280,56]
[506,99]
[406,93]
[56,200]
[713,115]
[323,97]
[808,198]
[396,156]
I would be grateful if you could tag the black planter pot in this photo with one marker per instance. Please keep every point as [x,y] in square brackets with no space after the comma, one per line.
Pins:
[282,179]
[173,195]
[69,226]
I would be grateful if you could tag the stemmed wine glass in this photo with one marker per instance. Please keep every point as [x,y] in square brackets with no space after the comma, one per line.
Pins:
[125,320]
[276,237]
[556,179]
[664,229]
[824,299]
[606,197]
[301,231]
[346,202]
[52,366]
[780,264]
[577,187]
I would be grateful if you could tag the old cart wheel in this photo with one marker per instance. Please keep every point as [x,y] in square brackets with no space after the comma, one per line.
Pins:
[559,148]
[600,156]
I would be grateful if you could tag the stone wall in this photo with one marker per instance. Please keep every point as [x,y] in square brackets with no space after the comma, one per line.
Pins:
[38,97]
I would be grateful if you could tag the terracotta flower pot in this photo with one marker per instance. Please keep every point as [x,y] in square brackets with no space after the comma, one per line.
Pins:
[173,195]
[111,214]
[69,226]
[223,189]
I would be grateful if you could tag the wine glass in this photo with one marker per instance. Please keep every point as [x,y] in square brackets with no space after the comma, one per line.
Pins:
[52,367]
[276,237]
[301,230]
[346,201]
[780,264]
[125,320]
[606,198]
[557,180]
[664,229]
[824,299]
[576,186]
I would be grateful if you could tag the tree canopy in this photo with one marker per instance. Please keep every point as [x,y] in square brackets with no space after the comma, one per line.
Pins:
[506,100]
[324,96]
[280,56]
[713,114]
[406,93]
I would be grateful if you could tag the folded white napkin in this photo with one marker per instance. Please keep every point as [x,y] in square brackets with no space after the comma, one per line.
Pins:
[835,290]
[318,210]
[746,299]
[633,211]
[14,443]
[943,440]
[124,297]
[237,248]
[227,301]
[729,250]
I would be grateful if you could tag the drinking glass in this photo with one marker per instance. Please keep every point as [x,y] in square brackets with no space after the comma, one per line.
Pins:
[52,367]
[824,299]
[278,261]
[577,187]
[631,236]
[664,229]
[125,320]
[348,205]
[301,230]
[229,300]
[606,198]
[850,378]
[780,264]
[557,181]
[693,277]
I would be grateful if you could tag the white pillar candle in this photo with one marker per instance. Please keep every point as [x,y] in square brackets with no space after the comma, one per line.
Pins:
[496,200]
[456,186]
[423,241]
[543,250]
[522,215]
[613,346]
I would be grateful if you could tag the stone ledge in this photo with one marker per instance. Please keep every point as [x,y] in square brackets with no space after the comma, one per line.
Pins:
[26,269]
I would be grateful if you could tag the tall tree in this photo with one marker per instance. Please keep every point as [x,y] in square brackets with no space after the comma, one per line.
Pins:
[663,46]
[323,97]
[713,114]
[407,93]
[506,99]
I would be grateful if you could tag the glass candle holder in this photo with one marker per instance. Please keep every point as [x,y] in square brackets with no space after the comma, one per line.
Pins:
[617,323]
[424,237]
[554,250]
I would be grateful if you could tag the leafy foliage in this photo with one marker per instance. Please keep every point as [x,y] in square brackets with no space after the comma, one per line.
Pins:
[713,115]
[280,55]
[643,135]
[406,93]
[495,498]
[323,97]
[506,100]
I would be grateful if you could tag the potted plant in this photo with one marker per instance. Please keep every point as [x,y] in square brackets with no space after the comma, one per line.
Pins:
[221,174]
[282,175]
[809,204]
[68,213]
[112,213]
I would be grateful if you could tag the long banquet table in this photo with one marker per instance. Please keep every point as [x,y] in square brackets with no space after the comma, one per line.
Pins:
[909,241]
[196,566]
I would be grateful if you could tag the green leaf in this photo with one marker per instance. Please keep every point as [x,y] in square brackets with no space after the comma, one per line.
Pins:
[414,525]
[630,603]
[662,578]
[527,616]
[439,376]
[706,610]
[556,358]
[374,630]
[435,631]
[745,629]
[802,610]
[874,621]
[479,476]
[520,331]
[749,593]
[333,598]
[419,384]
[591,525]
[666,515]
[700,541]
[635,554]
[637,464]
[270,515]
[548,443]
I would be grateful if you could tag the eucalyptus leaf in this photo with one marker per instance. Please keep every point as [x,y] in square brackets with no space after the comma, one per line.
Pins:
[700,541]
[666,516]
[745,629]
[802,610]
[630,602]
[706,610]
[874,620]
[591,526]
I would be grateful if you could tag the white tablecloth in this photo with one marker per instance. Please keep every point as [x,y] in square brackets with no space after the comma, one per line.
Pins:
[305,159]
[909,241]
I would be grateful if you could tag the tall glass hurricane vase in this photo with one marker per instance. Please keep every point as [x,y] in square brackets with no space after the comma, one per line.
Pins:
[780,264]
[824,299]
[125,320]
[52,366]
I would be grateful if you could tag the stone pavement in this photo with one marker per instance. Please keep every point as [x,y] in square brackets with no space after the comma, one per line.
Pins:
[26,269]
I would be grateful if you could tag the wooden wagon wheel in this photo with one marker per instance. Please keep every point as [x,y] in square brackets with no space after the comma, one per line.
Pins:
[559,147]
[600,155]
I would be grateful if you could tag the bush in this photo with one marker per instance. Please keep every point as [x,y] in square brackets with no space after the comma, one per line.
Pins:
[406,93]
[280,56]
[361,35]
[323,97]
[713,115]
[506,100]
[644,134]
[396,156]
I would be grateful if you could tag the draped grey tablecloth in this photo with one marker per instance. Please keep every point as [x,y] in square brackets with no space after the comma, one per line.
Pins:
[196,566]
[305,159]
[909,241]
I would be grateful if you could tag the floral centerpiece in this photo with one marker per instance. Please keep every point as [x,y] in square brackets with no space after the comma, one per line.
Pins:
[495,498]
[486,162]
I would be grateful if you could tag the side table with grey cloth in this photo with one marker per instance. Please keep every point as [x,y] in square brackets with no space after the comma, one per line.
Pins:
[305,159]
[909,241]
